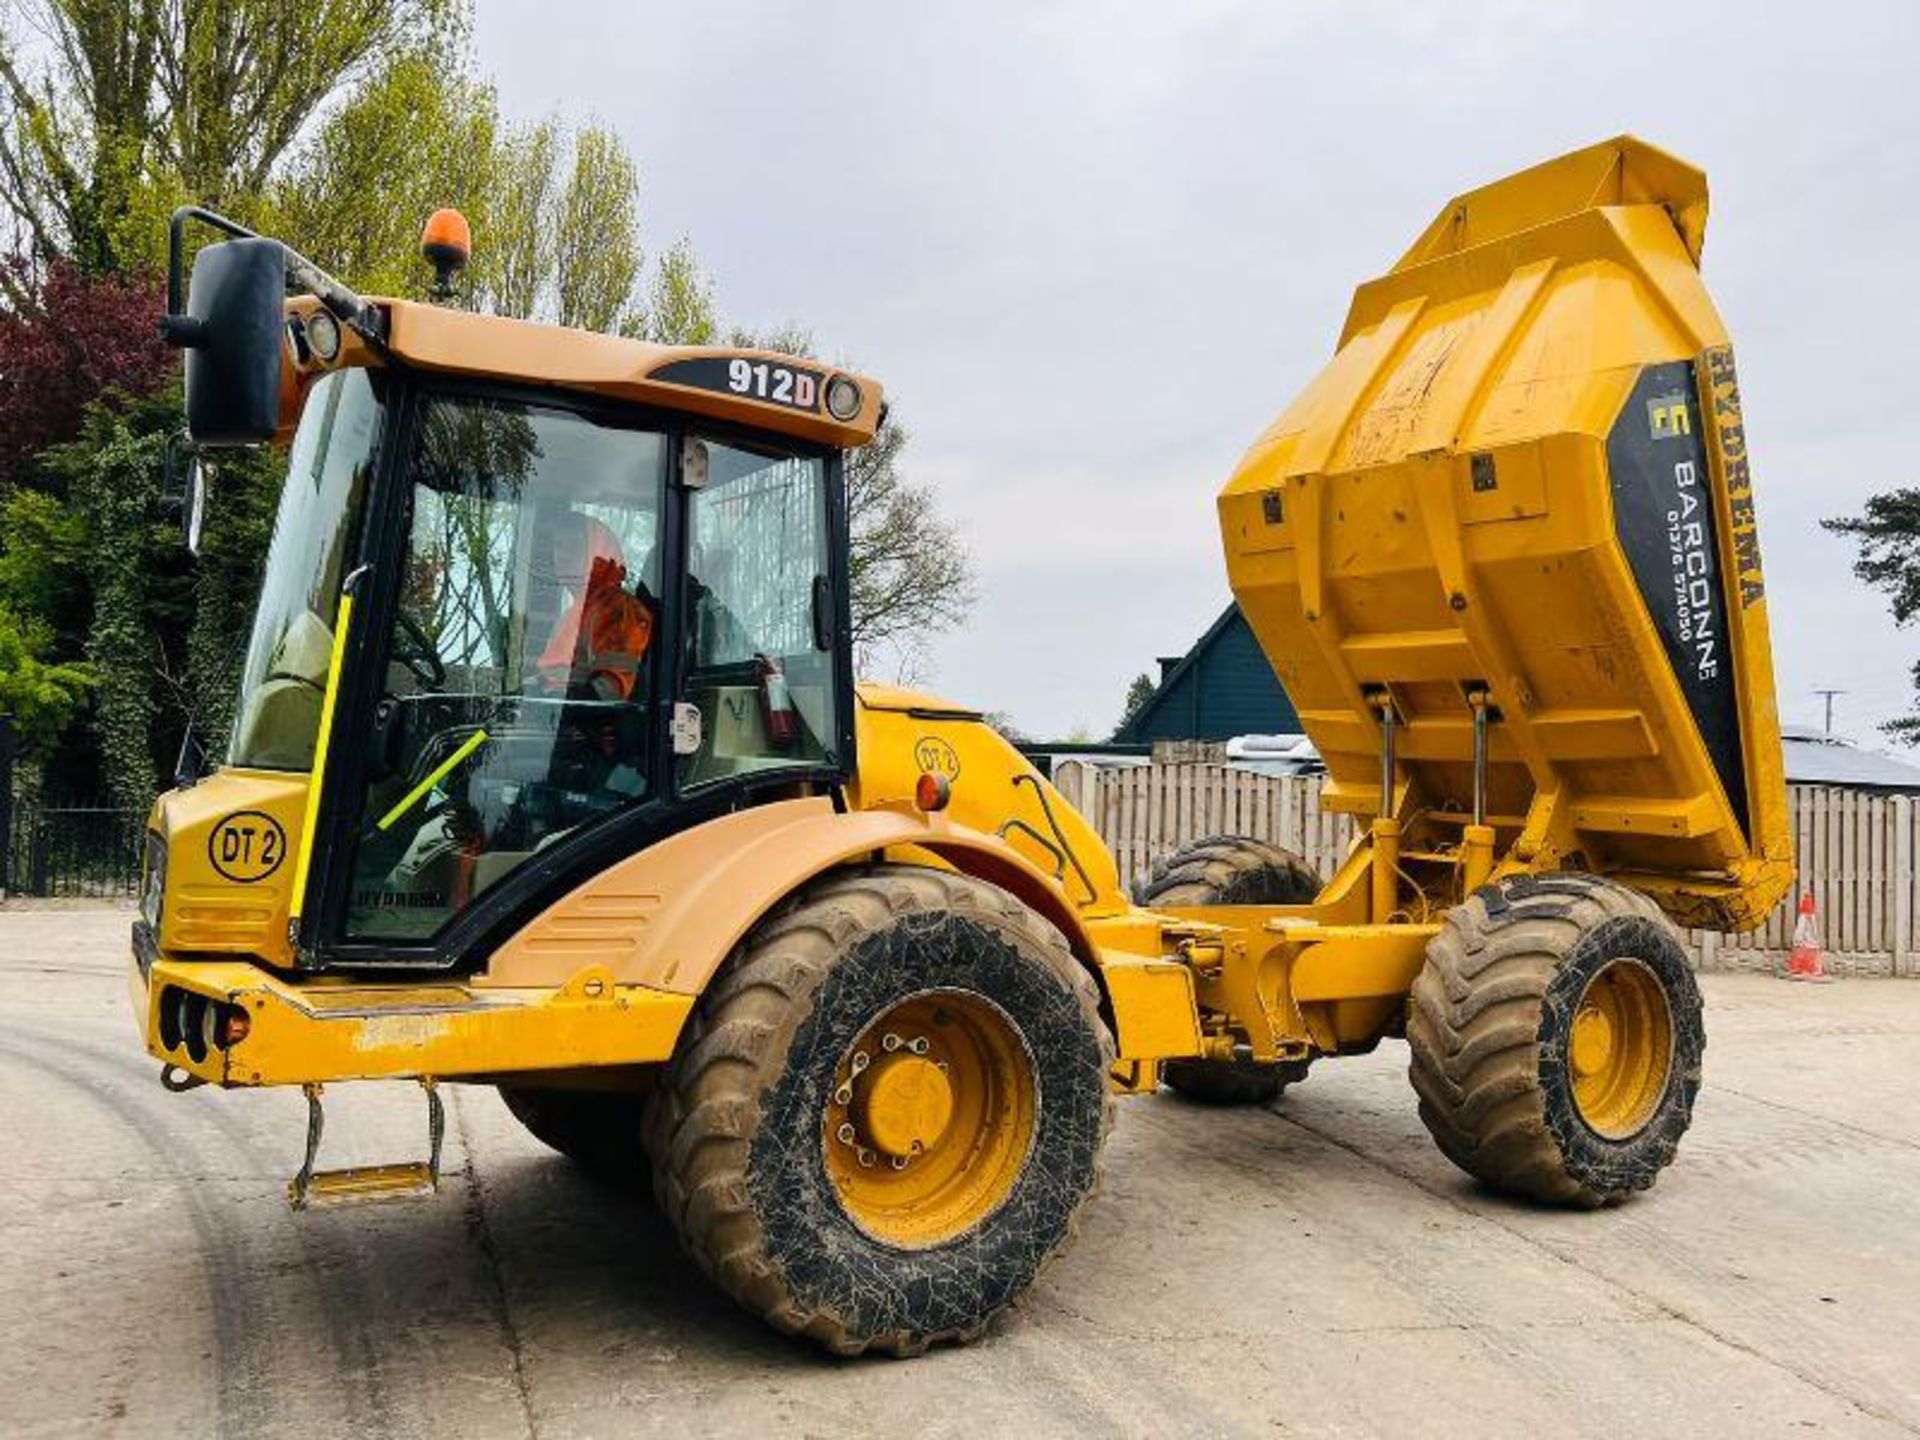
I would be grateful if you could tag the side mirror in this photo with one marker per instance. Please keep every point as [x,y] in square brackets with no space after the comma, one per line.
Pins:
[193,505]
[233,331]
[184,495]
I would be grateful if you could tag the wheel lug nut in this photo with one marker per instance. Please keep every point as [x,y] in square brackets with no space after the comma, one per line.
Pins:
[844,1134]
[899,1162]
[890,1042]
[844,1095]
[860,1061]
[919,1045]
[866,1157]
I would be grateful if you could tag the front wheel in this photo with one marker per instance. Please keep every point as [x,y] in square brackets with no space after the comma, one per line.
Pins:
[1556,1039]
[887,1112]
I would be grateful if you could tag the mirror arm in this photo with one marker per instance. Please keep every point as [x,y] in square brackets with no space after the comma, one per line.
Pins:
[363,318]
[303,276]
[177,253]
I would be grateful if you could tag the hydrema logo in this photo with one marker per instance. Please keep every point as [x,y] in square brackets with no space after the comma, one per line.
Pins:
[1668,417]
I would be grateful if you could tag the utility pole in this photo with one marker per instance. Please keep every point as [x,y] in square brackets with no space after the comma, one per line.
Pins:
[1828,696]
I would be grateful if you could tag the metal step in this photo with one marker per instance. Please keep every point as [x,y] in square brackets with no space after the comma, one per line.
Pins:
[367,1184]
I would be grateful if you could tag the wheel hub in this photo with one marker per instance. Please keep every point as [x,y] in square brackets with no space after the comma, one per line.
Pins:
[1620,1049]
[1592,1040]
[930,1119]
[903,1105]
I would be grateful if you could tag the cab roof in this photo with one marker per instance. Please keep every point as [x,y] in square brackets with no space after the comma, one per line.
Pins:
[763,389]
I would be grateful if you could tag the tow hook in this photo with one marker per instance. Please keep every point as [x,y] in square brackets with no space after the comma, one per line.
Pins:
[410,1180]
[178,1081]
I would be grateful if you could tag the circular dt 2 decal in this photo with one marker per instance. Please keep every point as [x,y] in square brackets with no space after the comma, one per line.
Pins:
[933,754]
[247,846]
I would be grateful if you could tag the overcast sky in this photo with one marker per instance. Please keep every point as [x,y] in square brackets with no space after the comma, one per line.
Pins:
[1092,249]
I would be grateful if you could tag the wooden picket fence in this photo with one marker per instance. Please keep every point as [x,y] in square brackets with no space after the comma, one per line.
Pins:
[1856,852]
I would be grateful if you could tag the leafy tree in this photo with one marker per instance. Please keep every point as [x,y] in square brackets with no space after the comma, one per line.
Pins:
[141,599]
[44,549]
[243,495]
[43,697]
[597,234]
[1138,694]
[1887,535]
[129,106]
[679,305]
[417,134]
[69,338]
[516,261]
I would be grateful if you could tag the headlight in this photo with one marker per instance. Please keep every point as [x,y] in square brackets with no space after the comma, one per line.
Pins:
[323,336]
[153,882]
[843,398]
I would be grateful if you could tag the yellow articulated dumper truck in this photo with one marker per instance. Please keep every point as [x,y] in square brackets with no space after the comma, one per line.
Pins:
[551,772]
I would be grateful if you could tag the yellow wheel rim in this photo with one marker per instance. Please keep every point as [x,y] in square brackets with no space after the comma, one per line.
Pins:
[1620,1049]
[930,1118]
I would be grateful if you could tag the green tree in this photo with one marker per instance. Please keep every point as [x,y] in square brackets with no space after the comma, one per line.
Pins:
[125,107]
[141,597]
[515,263]
[679,307]
[596,239]
[1138,694]
[419,133]
[43,697]
[1887,537]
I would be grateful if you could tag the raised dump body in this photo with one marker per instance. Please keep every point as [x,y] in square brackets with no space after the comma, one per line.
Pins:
[1524,474]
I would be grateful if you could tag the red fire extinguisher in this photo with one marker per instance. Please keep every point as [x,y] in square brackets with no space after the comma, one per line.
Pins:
[776,701]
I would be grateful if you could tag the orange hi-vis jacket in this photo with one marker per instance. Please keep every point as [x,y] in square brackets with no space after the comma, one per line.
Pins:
[603,636]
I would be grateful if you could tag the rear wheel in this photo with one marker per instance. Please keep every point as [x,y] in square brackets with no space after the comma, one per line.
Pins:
[599,1130]
[1556,1039]
[1230,870]
[887,1112]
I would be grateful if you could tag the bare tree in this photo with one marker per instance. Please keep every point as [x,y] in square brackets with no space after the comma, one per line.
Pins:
[909,571]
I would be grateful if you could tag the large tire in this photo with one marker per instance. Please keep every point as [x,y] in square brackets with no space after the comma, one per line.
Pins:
[1519,1084]
[1230,870]
[746,1131]
[599,1130]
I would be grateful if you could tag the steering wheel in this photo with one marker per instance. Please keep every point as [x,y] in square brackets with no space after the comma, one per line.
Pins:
[420,657]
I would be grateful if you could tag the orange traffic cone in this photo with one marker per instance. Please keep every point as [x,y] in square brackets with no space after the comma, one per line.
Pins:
[1803,961]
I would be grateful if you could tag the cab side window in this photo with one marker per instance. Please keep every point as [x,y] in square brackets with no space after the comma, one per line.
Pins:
[759,644]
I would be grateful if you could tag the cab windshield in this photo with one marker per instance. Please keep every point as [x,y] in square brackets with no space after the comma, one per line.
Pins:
[278,716]
[517,694]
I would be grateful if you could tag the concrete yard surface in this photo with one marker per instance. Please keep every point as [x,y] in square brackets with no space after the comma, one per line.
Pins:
[1314,1268]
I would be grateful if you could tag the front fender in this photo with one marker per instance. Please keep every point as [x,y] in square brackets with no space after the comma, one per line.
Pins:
[668,917]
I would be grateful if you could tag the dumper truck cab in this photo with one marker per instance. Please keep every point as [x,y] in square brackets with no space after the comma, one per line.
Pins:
[550,771]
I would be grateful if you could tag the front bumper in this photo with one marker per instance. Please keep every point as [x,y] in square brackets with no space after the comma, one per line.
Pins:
[231,1022]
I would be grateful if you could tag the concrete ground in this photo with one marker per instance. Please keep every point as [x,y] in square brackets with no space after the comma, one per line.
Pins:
[1316,1269]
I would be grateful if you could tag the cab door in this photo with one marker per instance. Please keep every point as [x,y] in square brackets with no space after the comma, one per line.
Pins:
[516,665]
